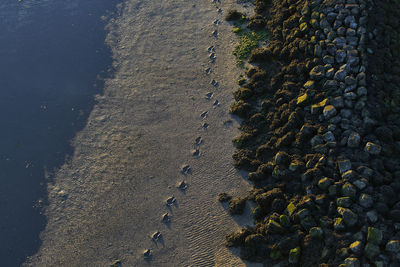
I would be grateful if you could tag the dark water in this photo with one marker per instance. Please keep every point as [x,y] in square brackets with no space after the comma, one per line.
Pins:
[51,52]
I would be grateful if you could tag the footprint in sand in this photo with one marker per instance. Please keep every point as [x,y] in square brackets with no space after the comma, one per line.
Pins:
[216,103]
[156,236]
[213,57]
[186,169]
[209,95]
[211,49]
[170,201]
[198,141]
[166,218]
[182,185]
[208,71]
[216,1]
[195,152]
[215,33]
[204,114]
[147,254]
[205,126]
[214,83]
[219,11]
[217,22]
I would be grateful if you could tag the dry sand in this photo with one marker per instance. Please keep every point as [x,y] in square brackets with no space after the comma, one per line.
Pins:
[108,199]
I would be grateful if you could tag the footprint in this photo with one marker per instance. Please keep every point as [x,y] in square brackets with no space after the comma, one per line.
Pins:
[166,218]
[204,114]
[186,169]
[182,186]
[213,57]
[198,141]
[156,236]
[208,71]
[209,95]
[214,83]
[170,201]
[195,152]
[205,125]
[217,22]
[147,254]
[216,1]
[215,33]
[216,103]
[116,263]
[219,11]
[211,49]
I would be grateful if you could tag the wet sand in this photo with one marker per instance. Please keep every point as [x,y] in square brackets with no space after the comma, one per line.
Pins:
[109,198]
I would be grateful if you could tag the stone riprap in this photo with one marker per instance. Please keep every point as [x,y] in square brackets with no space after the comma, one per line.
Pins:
[320,136]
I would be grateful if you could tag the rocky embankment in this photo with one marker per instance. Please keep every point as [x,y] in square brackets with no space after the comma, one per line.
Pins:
[321,133]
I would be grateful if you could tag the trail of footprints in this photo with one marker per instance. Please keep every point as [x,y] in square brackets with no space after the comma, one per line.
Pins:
[171,202]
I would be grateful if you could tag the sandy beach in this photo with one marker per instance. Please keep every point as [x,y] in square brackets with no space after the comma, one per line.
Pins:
[166,108]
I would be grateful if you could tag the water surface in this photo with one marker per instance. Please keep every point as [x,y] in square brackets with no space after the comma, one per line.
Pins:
[51,54]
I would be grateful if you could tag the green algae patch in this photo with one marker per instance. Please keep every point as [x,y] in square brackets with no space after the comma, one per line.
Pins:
[248,40]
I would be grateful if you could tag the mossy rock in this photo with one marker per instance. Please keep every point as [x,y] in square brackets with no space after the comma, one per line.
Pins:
[236,239]
[371,250]
[274,227]
[324,183]
[242,94]
[374,235]
[240,108]
[260,55]
[224,197]
[257,23]
[291,208]
[294,255]
[316,232]
[236,205]
[275,253]
[284,220]
[234,15]
[242,140]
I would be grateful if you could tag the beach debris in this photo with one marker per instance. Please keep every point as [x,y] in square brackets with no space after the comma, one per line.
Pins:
[156,236]
[186,169]
[170,201]
[166,218]
[182,185]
